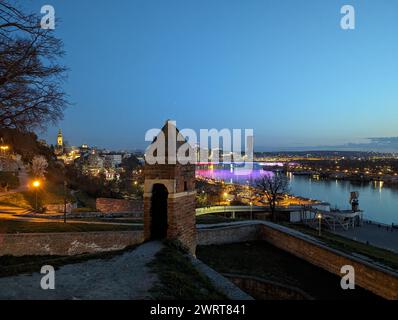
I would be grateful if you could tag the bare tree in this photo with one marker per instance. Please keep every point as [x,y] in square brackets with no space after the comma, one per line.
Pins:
[39,166]
[273,186]
[30,74]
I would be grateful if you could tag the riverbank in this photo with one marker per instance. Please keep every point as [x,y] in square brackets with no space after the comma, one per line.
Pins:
[377,199]
[219,192]
[391,180]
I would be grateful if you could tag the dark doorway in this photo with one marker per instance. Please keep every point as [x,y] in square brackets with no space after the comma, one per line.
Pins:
[159,212]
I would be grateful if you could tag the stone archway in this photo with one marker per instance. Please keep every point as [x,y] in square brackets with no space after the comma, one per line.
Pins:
[159,222]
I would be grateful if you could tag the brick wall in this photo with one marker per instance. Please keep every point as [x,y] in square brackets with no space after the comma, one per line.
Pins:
[177,172]
[228,234]
[59,208]
[181,214]
[67,243]
[261,289]
[107,205]
[376,279]
[182,220]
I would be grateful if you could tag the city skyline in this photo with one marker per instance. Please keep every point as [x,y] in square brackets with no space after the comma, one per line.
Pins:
[375,144]
[285,69]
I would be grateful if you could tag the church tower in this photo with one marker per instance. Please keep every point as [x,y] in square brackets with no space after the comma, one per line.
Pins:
[60,141]
[59,148]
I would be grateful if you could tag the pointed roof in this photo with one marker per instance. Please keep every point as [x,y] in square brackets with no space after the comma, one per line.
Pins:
[170,128]
[171,133]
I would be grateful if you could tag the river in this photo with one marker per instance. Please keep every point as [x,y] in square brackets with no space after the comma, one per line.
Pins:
[379,203]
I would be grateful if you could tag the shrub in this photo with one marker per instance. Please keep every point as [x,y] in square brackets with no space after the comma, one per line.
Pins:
[9,179]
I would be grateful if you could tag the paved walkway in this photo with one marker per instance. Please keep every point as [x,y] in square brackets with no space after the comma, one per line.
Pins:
[377,236]
[124,277]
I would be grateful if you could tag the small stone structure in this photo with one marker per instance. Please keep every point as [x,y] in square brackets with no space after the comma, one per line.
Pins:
[169,194]
[59,208]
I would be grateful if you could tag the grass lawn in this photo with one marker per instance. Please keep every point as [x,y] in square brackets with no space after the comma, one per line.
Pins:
[179,280]
[9,179]
[15,200]
[52,193]
[8,226]
[49,193]
[114,220]
[270,263]
[382,256]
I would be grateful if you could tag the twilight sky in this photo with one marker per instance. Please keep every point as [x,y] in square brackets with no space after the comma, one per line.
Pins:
[282,67]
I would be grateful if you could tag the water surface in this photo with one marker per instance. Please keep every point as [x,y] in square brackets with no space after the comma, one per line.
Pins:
[380,203]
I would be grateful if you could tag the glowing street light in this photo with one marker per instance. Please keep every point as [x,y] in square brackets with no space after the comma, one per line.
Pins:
[319,217]
[4,148]
[36,184]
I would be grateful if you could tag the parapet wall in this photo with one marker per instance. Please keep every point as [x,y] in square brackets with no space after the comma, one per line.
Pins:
[261,289]
[379,280]
[68,243]
[374,278]
[228,234]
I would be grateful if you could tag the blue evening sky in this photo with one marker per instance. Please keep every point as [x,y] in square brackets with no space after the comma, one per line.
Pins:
[282,67]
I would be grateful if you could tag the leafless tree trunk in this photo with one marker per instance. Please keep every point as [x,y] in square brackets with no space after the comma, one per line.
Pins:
[39,166]
[273,186]
[30,75]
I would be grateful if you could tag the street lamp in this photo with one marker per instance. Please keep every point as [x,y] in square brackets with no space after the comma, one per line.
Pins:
[251,210]
[319,217]
[65,186]
[4,149]
[36,185]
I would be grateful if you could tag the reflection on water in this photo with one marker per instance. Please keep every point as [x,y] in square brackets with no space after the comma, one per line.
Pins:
[379,203]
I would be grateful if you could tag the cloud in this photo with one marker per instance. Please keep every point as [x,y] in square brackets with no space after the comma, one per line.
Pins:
[378,144]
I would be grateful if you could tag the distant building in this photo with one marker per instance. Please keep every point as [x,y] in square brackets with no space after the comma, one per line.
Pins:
[66,153]
[60,139]
[114,160]
[59,148]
